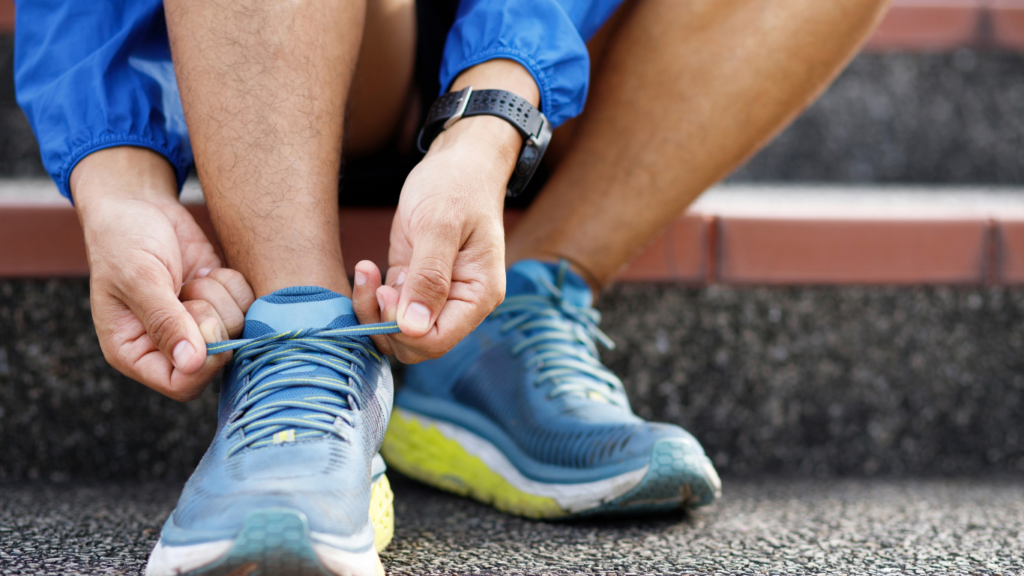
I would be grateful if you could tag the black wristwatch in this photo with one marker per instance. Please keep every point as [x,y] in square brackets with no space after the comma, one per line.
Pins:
[527,120]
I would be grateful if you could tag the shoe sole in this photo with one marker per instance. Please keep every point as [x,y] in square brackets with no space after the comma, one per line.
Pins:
[278,542]
[449,457]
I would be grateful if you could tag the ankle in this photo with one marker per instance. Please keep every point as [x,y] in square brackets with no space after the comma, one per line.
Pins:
[263,285]
[550,258]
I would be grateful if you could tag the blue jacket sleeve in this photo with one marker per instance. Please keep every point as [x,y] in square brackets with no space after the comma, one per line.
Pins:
[548,37]
[96,74]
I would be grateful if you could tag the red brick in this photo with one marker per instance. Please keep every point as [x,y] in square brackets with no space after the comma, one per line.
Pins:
[682,253]
[869,251]
[928,25]
[41,241]
[6,16]
[1010,251]
[1008,23]
[752,248]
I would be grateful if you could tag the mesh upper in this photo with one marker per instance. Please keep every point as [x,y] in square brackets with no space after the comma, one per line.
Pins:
[571,432]
[567,430]
[325,477]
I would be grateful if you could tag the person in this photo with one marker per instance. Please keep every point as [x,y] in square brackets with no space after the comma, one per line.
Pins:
[650,102]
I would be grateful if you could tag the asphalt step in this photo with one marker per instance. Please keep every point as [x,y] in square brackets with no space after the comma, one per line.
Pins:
[768,525]
[819,380]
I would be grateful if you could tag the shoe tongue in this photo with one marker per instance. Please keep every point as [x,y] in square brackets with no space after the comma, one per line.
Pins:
[298,308]
[524,277]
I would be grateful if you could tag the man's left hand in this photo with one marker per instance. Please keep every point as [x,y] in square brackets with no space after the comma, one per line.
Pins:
[447,257]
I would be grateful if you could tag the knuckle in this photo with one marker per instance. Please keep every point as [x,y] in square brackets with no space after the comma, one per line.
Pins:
[163,326]
[432,279]
[236,285]
[198,289]
[117,358]
[497,296]
[200,309]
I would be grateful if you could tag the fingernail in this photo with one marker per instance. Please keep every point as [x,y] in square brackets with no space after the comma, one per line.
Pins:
[183,352]
[202,273]
[418,316]
[213,331]
[360,278]
[401,278]
[380,301]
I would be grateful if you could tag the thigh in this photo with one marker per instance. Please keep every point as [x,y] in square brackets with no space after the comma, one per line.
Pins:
[382,96]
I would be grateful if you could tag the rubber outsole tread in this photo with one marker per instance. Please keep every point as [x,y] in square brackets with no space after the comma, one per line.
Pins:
[676,479]
[272,542]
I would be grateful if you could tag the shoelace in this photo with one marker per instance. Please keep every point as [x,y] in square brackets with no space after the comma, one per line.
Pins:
[560,328]
[337,349]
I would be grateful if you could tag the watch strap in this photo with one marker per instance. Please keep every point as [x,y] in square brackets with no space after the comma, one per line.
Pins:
[527,120]
[518,112]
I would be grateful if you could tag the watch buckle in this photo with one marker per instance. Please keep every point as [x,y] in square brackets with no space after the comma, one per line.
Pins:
[463,102]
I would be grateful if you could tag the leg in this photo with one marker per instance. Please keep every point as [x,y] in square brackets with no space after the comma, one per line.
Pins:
[685,92]
[265,87]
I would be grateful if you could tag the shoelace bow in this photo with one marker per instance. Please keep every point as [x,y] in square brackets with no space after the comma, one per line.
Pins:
[335,348]
[561,328]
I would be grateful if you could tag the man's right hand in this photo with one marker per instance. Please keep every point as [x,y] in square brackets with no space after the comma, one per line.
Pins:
[157,290]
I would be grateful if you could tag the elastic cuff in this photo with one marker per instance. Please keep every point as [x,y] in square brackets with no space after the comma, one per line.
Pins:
[508,54]
[63,179]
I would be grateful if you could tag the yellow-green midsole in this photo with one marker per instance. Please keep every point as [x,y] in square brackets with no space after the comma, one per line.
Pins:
[382,513]
[424,453]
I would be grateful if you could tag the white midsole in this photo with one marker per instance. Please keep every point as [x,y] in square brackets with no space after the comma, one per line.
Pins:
[175,560]
[570,497]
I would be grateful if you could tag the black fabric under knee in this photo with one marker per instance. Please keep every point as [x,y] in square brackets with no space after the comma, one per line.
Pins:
[377,179]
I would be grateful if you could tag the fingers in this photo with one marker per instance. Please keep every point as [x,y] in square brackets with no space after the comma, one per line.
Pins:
[477,288]
[173,331]
[424,290]
[153,369]
[236,285]
[213,329]
[365,302]
[227,291]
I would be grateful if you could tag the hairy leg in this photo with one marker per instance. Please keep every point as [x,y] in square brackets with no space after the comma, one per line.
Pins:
[684,92]
[265,86]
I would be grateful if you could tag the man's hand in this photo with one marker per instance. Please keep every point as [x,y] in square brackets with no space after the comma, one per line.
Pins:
[447,257]
[158,293]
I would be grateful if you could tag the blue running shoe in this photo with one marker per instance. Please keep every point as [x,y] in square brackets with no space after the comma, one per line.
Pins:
[522,415]
[292,484]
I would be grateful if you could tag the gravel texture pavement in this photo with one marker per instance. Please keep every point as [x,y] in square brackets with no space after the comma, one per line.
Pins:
[809,381]
[770,525]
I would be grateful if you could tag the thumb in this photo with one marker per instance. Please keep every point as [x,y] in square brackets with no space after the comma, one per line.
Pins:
[169,325]
[428,280]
